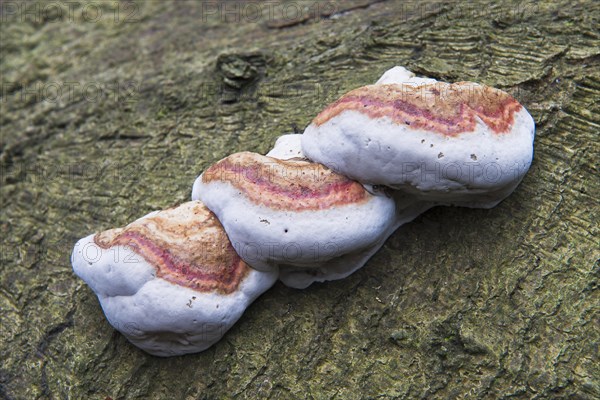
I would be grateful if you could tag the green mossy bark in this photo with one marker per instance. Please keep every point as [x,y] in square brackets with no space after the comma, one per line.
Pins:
[459,303]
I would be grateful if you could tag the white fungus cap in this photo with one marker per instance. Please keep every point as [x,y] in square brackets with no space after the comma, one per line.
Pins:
[401,75]
[292,213]
[462,143]
[287,147]
[170,281]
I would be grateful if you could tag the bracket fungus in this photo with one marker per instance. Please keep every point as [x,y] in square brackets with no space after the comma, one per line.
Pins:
[292,213]
[455,143]
[170,281]
[314,209]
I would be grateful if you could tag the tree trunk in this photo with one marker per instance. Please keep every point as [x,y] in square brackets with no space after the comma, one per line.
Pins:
[109,110]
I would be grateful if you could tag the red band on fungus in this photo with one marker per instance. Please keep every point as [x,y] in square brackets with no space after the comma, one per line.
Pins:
[285,185]
[446,108]
[186,245]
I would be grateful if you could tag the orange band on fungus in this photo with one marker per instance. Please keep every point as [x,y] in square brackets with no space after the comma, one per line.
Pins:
[445,108]
[186,245]
[286,185]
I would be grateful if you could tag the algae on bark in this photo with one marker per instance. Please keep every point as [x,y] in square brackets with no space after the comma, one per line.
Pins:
[106,118]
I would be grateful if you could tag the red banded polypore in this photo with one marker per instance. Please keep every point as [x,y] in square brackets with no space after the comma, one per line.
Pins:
[293,213]
[174,281]
[461,143]
[170,282]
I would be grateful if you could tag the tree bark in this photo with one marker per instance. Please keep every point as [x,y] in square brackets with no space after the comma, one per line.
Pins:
[110,110]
